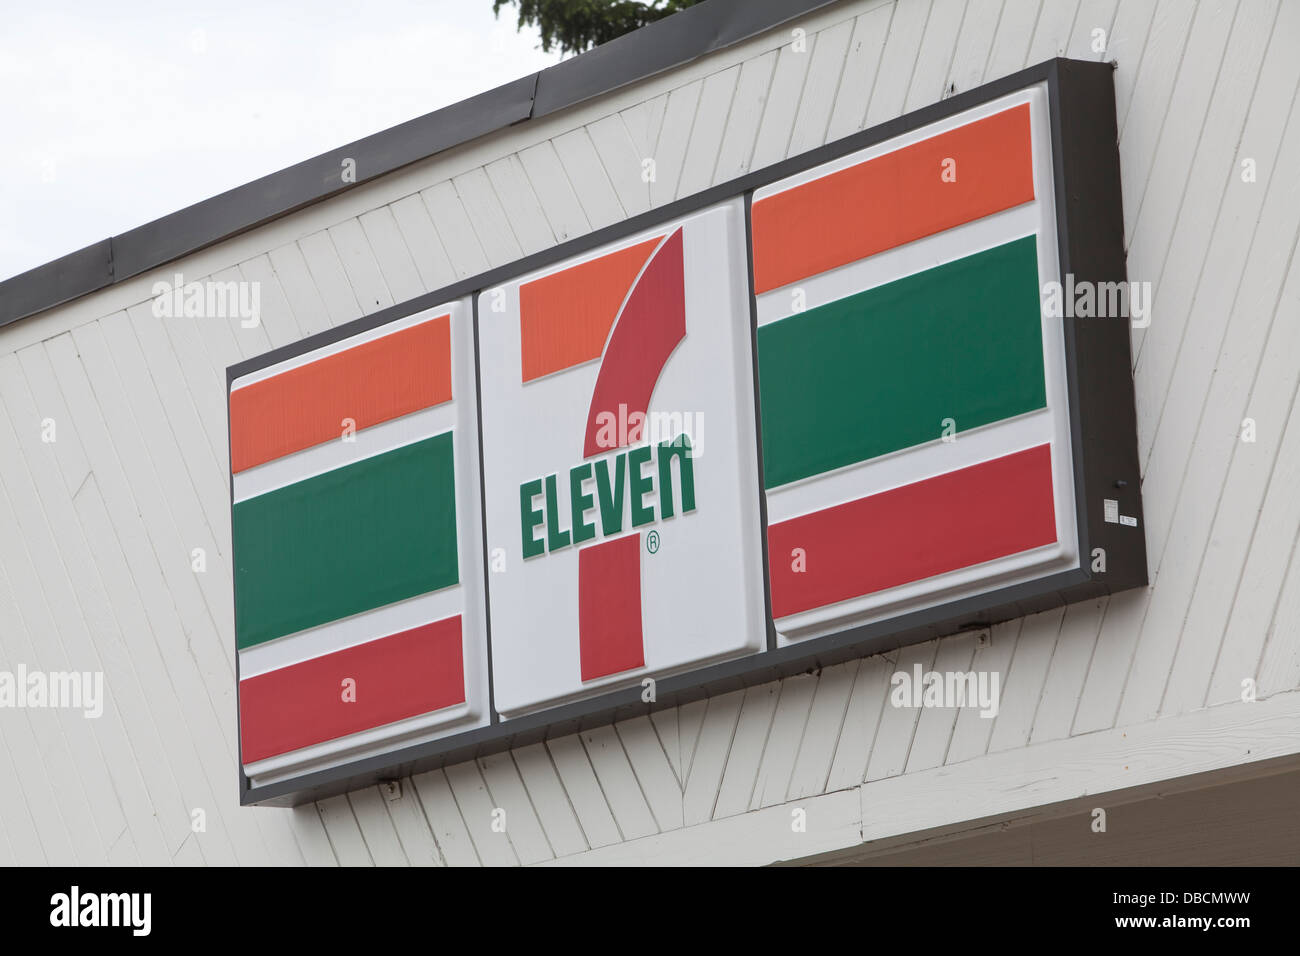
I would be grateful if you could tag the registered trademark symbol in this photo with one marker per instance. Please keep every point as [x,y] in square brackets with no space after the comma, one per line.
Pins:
[652,542]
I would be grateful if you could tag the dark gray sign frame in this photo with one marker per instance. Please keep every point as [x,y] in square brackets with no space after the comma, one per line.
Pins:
[1103,428]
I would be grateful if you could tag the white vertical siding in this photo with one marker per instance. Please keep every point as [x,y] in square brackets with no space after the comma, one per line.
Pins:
[97,528]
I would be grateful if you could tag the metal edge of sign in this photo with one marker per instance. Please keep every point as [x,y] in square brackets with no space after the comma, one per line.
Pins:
[493,717]
[1090,237]
[1102,420]
[769,618]
[244,787]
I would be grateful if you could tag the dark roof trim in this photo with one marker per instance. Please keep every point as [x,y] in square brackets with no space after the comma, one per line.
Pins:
[635,56]
[661,46]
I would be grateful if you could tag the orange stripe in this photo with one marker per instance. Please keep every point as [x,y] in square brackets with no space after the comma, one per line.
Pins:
[893,199]
[370,383]
[564,318]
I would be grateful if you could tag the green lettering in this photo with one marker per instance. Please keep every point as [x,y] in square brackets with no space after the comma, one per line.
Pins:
[582,528]
[641,486]
[611,496]
[679,448]
[556,537]
[530,517]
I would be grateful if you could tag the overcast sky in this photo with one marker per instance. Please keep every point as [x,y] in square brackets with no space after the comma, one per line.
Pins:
[115,113]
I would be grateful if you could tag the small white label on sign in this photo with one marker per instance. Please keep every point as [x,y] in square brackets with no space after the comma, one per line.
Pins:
[1128,520]
[1112,510]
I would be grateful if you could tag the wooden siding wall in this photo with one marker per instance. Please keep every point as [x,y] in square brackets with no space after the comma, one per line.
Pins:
[97,527]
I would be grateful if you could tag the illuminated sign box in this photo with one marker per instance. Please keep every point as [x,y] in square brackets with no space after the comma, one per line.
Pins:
[916,430]
[839,405]
[359,615]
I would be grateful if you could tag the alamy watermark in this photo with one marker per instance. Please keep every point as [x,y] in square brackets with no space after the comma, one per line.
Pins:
[1098,300]
[619,429]
[74,690]
[921,688]
[75,908]
[208,300]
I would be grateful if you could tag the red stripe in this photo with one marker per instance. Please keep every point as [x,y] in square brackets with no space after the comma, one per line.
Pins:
[403,675]
[951,521]
[609,607]
[653,321]
[893,199]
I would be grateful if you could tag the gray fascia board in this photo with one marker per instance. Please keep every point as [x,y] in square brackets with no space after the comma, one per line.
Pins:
[318,178]
[68,277]
[667,43]
[628,59]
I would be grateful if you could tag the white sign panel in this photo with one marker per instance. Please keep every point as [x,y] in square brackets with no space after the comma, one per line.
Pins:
[621,475]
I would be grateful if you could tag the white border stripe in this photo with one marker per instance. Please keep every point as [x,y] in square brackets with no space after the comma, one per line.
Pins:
[369,442]
[349,631]
[927,592]
[960,242]
[908,465]
[363,743]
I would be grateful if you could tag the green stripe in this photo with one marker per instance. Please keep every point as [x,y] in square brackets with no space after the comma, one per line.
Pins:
[880,370]
[349,540]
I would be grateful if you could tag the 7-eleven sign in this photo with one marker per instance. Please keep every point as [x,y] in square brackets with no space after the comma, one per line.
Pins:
[621,480]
